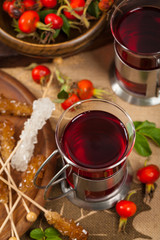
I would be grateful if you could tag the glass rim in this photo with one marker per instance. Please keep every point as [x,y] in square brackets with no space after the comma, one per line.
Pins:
[93,169]
[120,43]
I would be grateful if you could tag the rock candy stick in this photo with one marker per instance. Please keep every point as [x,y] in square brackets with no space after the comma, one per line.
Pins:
[10,157]
[3,193]
[66,227]
[70,228]
[42,111]
[7,143]
[27,177]
[13,107]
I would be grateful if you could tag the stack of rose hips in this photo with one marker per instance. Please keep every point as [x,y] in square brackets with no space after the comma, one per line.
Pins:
[70,92]
[44,19]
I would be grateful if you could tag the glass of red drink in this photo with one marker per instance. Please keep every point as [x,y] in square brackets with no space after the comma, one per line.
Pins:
[94,138]
[135,28]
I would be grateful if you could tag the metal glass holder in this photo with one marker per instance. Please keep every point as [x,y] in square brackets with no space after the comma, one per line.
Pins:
[129,96]
[77,194]
[106,202]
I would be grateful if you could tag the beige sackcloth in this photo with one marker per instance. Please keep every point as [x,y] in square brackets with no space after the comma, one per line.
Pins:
[102,225]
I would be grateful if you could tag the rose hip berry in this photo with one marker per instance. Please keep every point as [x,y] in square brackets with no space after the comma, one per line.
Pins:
[41,74]
[55,20]
[29,4]
[104,5]
[49,3]
[15,9]
[75,4]
[125,209]
[6,5]
[86,90]
[70,101]
[149,175]
[27,22]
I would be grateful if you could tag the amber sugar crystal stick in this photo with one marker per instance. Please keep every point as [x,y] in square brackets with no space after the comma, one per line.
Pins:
[66,227]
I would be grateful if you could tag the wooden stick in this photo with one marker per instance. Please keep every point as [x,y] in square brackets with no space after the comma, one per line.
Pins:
[20,141]
[12,223]
[11,179]
[10,200]
[48,85]
[24,195]
[25,205]
[9,214]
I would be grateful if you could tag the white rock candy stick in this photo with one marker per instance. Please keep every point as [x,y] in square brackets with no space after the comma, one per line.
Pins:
[42,111]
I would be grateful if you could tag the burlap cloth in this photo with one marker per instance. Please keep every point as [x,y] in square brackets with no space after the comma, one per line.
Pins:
[103,225]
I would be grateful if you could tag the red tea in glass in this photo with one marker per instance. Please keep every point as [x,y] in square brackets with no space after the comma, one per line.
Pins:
[138,30]
[135,27]
[94,138]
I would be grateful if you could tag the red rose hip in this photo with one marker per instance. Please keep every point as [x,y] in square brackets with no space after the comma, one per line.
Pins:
[55,20]
[149,175]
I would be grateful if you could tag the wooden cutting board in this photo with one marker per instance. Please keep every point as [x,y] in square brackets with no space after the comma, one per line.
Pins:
[13,89]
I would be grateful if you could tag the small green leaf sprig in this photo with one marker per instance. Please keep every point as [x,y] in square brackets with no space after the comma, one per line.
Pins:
[146,131]
[47,234]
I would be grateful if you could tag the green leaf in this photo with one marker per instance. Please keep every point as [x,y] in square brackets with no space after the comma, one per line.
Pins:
[51,232]
[152,133]
[37,234]
[142,146]
[66,25]
[57,31]
[65,87]
[93,9]
[44,13]
[62,95]
[138,125]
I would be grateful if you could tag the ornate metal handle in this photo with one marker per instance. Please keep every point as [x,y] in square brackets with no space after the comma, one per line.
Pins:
[55,180]
[39,170]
